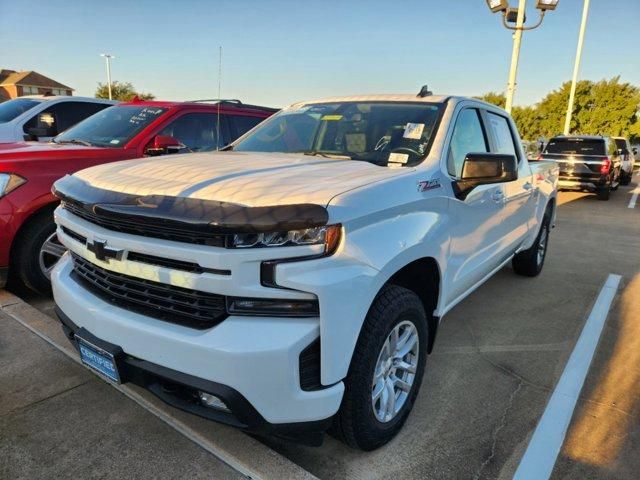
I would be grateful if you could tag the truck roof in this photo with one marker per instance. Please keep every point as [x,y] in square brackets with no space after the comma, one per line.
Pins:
[396,97]
[204,104]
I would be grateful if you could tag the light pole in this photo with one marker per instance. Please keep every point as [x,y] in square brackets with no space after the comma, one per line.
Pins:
[509,15]
[576,68]
[108,58]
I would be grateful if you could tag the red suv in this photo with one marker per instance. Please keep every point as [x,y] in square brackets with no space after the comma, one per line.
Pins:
[28,244]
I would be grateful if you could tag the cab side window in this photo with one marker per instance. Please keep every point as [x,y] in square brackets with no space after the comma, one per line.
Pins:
[64,115]
[244,123]
[502,135]
[199,131]
[468,137]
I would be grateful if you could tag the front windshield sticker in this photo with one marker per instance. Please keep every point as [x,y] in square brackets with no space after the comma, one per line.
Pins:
[398,157]
[142,115]
[332,117]
[115,141]
[413,131]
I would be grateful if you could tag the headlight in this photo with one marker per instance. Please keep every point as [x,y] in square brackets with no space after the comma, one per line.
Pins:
[329,236]
[9,182]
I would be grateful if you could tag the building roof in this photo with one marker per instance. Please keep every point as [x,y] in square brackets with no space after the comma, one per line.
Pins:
[30,78]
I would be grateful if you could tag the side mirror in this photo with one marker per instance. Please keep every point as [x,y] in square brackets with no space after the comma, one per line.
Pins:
[634,150]
[163,144]
[46,127]
[485,168]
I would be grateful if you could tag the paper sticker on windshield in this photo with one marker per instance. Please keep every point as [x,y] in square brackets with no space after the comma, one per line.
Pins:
[413,131]
[115,141]
[332,117]
[398,158]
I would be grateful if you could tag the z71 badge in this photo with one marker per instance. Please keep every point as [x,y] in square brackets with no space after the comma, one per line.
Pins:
[428,185]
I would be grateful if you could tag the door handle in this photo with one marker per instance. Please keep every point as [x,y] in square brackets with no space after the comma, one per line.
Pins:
[497,196]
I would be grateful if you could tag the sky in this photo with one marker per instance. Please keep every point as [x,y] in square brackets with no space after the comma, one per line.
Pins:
[282,51]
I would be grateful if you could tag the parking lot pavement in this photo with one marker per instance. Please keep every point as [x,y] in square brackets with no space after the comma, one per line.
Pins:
[497,359]
[57,420]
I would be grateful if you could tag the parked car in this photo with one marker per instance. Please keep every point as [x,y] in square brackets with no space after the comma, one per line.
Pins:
[627,154]
[42,117]
[28,243]
[298,279]
[587,162]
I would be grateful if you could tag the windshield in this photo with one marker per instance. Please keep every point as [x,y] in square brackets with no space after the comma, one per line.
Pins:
[378,132]
[12,108]
[577,146]
[112,127]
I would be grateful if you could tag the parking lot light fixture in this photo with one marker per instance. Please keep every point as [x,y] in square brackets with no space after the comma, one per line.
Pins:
[517,16]
[108,58]
[546,4]
[497,5]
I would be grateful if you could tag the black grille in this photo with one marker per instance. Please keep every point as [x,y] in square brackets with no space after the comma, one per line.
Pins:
[179,305]
[309,364]
[137,228]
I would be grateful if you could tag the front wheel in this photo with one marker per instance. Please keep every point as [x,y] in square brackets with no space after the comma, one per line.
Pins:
[386,370]
[530,262]
[38,252]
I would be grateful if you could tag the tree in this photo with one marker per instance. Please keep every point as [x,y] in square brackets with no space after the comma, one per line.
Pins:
[607,107]
[121,91]
[494,98]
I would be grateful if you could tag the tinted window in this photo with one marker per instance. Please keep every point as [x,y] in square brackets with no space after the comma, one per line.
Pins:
[244,124]
[502,134]
[467,137]
[578,146]
[198,131]
[377,132]
[66,114]
[112,127]
[12,108]
[621,144]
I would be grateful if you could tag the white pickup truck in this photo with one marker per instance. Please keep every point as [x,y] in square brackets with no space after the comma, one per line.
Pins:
[296,281]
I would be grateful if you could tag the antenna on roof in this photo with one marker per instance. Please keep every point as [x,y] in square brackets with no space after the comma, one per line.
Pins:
[425,92]
[219,88]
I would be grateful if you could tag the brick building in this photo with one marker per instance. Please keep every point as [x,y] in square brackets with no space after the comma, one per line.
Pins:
[17,84]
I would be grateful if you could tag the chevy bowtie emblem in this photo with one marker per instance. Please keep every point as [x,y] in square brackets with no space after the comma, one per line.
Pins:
[100,250]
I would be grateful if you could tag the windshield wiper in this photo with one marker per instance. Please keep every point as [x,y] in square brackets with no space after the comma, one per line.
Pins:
[76,141]
[316,153]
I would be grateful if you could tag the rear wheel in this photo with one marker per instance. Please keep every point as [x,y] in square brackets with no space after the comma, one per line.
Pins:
[386,370]
[530,262]
[625,178]
[37,253]
[604,193]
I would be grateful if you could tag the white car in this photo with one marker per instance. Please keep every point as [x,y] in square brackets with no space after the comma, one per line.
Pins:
[42,117]
[627,155]
[297,281]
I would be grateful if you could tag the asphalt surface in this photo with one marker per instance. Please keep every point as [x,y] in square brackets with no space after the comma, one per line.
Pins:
[496,361]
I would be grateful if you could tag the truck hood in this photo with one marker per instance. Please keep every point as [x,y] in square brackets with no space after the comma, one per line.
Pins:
[31,150]
[244,178]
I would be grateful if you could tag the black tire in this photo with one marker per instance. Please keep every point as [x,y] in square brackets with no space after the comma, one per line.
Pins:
[528,263]
[356,423]
[625,178]
[604,193]
[27,252]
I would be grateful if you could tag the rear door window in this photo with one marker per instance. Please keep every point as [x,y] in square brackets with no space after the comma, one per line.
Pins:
[576,146]
[502,135]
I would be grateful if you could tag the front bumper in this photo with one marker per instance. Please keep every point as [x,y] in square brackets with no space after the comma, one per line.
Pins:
[181,391]
[256,357]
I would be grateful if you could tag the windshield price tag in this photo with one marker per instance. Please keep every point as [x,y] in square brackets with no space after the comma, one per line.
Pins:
[413,131]
[398,158]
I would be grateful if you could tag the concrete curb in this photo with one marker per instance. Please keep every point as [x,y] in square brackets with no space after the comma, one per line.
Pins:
[238,450]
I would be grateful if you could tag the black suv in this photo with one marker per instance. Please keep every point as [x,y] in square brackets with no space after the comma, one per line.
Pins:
[586,162]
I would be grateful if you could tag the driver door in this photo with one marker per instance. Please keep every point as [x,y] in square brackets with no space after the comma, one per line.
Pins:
[476,231]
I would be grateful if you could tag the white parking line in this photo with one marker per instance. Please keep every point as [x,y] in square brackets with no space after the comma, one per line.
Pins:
[540,457]
[634,197]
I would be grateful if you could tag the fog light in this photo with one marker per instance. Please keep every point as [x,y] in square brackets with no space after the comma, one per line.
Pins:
[212,401]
